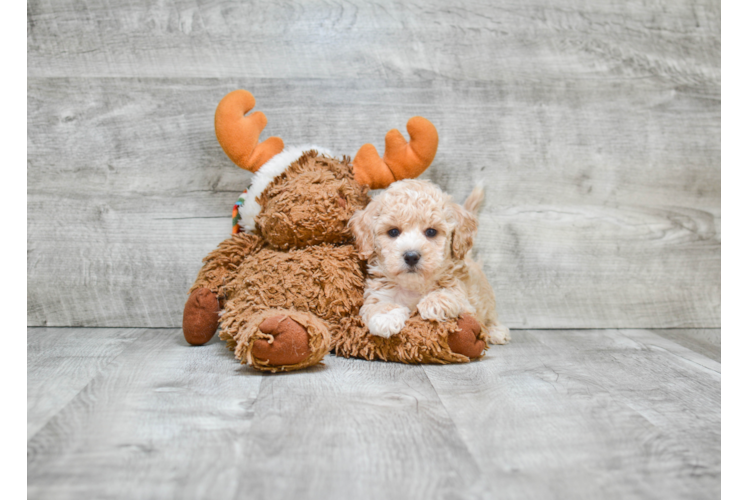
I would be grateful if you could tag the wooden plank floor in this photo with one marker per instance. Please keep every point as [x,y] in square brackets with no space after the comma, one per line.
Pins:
[136,413]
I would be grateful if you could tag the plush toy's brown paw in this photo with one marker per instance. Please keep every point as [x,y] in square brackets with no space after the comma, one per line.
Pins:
[200,320]
[465,341]
[290,343]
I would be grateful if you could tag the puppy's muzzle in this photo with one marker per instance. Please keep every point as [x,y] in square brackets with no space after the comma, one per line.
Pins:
[411,258]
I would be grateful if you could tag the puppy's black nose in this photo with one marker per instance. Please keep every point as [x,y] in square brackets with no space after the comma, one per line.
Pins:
[411,258]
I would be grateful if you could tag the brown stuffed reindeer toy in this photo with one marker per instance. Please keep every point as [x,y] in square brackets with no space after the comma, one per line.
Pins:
[287,286]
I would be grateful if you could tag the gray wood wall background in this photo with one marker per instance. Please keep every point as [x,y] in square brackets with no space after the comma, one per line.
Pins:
[595,126]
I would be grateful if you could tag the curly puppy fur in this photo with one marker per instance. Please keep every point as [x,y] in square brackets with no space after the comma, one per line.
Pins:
[418,244]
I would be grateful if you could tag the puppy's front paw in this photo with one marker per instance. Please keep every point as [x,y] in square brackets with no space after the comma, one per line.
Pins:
[441,306]
[498,334]
[390,323]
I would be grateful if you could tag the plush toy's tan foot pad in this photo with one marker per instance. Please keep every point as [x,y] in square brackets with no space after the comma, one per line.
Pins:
[290,344]
[465,341]
[200,320]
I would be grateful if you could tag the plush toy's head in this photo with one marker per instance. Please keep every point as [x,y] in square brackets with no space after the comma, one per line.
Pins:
[306,196]
[310,203]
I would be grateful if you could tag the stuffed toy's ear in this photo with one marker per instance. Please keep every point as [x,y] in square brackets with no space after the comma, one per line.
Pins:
[402,159]
[239,134]
[362,226]
[465,229]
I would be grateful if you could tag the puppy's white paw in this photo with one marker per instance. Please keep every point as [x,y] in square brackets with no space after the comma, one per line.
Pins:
[390,323]
[498,334]
[441,306]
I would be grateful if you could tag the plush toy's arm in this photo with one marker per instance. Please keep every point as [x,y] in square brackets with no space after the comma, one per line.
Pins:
[220,264]
[201,311]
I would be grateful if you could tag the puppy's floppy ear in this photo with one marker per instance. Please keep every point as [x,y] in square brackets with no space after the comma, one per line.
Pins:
[466,227]
[362,226]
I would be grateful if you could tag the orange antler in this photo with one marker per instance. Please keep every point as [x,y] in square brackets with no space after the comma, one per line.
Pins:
[402,159]
[238,134]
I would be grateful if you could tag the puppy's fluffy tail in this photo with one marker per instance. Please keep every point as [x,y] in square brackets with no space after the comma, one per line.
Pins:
[475,200]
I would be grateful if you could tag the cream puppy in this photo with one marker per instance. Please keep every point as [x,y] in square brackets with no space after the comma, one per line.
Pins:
[417,241]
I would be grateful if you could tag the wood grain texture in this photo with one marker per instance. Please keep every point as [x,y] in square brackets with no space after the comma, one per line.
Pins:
[130,259]
[592,141]
[117,260]
[61,362]
[586,238]
[161,414]
[705,341]
[463,40]
[595,127]
[553,414]
[356,430]
[592,414]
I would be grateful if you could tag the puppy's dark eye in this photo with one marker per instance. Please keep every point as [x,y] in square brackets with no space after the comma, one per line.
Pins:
[394,232]
[431,232]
